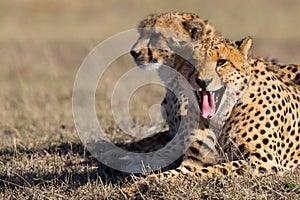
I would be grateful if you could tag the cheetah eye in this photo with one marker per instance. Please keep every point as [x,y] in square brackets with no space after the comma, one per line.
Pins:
[221,62]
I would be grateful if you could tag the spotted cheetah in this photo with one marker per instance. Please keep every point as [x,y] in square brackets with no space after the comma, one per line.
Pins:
[151,56]
[260,106]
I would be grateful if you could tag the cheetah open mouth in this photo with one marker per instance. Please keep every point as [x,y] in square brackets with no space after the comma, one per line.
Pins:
[209,101]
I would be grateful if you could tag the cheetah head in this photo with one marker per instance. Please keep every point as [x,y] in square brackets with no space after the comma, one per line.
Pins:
[151,50]
[223,72]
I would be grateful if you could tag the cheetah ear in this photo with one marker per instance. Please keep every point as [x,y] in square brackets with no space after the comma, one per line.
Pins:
[194,27]
[244,45]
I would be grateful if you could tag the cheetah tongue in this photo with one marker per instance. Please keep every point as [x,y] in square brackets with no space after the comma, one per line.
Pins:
[208,104]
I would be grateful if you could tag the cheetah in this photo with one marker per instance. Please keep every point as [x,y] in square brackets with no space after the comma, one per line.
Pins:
[259,110]
[152,50]
[148,56]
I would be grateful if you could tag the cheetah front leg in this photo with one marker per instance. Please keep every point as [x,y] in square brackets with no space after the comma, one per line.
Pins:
[253,165]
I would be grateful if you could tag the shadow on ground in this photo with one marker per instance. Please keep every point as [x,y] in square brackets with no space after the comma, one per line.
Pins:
[75,166]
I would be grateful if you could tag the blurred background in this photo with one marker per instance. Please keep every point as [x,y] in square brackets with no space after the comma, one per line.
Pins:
[42,44]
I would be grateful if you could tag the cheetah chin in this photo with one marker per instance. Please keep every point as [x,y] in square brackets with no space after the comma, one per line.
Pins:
[210,101]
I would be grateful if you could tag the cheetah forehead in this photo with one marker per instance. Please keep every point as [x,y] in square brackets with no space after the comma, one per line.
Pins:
[182,22]
[216,47]
[164,19]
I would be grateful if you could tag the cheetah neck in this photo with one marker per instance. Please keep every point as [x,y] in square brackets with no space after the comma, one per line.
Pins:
[230,98]
[228,101]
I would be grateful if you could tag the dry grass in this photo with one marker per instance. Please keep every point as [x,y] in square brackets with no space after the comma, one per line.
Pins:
[42,44]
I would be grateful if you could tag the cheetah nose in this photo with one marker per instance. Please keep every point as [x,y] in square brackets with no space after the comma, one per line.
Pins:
[203,83]
[135,54]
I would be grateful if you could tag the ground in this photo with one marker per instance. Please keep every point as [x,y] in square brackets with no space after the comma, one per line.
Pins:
[42,45]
